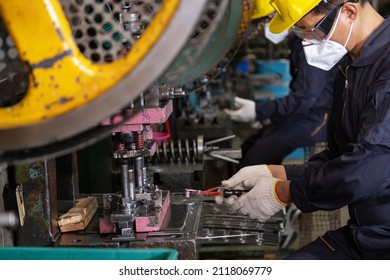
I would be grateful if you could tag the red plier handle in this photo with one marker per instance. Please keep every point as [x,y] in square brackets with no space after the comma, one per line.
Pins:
[212,192]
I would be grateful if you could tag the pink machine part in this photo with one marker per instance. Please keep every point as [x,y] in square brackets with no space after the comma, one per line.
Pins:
[140,122]
[106,226]
[143,118]
[146,223]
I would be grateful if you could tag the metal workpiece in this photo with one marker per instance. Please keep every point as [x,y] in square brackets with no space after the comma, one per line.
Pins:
[222,225]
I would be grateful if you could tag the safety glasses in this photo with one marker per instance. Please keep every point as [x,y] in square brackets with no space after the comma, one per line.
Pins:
[321,29]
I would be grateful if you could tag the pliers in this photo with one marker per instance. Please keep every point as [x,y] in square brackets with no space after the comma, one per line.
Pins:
[219,190]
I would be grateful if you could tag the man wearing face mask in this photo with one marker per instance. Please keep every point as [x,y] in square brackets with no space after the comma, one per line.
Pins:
[298,119]
[354,170]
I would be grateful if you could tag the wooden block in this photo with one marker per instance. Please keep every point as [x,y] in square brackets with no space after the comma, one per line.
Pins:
[79,216]
[77,213]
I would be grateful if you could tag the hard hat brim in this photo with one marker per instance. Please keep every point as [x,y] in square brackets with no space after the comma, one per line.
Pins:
[278,25]
[292,12]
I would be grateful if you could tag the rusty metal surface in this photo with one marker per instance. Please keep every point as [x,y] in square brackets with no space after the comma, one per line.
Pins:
[67,177]
[38,180]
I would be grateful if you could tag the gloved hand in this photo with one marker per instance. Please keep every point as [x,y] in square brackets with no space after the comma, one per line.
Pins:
[237,180]
[261,202]
[246,111]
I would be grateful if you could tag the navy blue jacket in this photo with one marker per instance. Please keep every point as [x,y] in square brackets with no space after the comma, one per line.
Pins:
[309,101]
[356,167]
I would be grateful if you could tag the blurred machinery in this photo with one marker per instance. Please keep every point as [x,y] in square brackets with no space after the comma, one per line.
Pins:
[8,220]
[92,69]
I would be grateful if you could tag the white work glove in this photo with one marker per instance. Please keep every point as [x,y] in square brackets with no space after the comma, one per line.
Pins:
[246,111]
[237,180]
[261,202]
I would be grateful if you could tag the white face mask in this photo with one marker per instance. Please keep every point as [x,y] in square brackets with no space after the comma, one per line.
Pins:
[273,37]
[324,54]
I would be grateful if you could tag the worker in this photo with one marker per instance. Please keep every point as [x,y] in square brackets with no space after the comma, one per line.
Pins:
[298,119]
[354,170]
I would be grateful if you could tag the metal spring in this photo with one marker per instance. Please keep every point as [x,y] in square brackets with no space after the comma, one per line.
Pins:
[140,144]
[184,150]
[120,147]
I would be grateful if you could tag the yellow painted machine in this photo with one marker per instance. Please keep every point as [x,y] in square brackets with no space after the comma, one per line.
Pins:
[84,61]
[67,93]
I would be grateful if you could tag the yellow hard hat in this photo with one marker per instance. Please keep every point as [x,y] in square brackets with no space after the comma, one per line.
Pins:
[262,9]
[289,12]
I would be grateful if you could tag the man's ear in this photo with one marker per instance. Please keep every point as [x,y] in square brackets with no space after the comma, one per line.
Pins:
[350,10]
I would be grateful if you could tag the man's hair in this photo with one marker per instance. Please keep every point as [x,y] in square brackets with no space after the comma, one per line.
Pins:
[384,9]
[325,6]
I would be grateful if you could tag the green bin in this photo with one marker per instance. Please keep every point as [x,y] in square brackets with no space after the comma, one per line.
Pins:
[71,253]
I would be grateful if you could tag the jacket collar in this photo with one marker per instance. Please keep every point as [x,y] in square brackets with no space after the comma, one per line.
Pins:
[376,44]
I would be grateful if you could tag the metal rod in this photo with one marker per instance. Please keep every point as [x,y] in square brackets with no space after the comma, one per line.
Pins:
[219,140]
[223,158]
[132,184]
[228,236]
[125,180]
[139,164]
